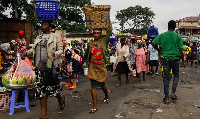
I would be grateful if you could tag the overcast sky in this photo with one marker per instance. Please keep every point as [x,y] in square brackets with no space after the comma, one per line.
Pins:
[165,10]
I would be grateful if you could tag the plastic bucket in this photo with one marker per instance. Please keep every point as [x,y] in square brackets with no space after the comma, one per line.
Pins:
[113,59]
[85,71]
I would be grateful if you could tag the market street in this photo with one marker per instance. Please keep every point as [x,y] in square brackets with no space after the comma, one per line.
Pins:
[132,101]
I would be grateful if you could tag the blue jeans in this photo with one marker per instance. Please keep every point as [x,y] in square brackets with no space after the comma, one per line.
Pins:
[167,66]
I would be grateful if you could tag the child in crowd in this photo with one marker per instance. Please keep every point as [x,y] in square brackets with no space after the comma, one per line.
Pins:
[71,65]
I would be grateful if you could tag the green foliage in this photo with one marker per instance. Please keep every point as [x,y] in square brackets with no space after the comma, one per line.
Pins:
[138,18]
[21,6]
[71,15]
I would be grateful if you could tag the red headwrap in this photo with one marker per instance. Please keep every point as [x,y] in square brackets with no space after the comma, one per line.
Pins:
[21,32]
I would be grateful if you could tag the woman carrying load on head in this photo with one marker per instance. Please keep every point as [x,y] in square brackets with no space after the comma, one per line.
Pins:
[49,46]
[97,72]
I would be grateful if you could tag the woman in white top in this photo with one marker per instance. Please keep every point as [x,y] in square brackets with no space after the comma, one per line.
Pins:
[122,63]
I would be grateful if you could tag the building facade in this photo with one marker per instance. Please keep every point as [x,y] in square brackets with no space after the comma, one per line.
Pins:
[189,26]
[80,37]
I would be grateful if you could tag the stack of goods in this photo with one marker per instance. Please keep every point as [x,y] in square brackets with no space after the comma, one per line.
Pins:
[19,74]
[97,17]
[47,9]
[120,34]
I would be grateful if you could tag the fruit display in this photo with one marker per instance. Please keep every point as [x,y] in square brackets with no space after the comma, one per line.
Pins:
[19,74]
[19,78]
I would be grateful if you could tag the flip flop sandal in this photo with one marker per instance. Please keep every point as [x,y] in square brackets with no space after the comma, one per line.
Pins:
[92,111]
[173,97]
[61,107]
[118,85]
[105,101]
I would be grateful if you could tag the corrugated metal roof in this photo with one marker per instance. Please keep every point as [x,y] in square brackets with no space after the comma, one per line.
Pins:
[189,27]
[191,18]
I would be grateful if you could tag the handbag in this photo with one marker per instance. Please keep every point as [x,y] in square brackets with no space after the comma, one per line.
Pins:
[41,64]
[50,75]
[48,71]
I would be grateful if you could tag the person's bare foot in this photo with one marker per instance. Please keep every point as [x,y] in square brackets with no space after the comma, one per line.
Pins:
[62,104]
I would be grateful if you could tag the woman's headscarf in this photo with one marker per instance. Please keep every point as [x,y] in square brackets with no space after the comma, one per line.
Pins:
[139,41]
[21,32]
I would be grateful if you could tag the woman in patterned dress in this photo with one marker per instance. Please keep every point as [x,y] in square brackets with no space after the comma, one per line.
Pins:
[21,42]
[97,72]
[48,45]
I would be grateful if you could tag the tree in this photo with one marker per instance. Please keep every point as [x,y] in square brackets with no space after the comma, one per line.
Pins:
[18,7]
[138,18]
[71,15]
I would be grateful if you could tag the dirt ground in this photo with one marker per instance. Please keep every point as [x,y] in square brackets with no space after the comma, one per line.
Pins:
[130,101]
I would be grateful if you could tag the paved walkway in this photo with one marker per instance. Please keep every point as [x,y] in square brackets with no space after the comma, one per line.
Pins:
[130,101]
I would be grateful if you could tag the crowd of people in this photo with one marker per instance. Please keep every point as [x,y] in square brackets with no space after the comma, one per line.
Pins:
[131,55]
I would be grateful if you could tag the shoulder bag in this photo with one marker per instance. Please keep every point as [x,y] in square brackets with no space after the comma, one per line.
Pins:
[50,75]
[42,64]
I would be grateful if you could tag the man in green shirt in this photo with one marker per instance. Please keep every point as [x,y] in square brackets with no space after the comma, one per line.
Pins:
[171,51]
